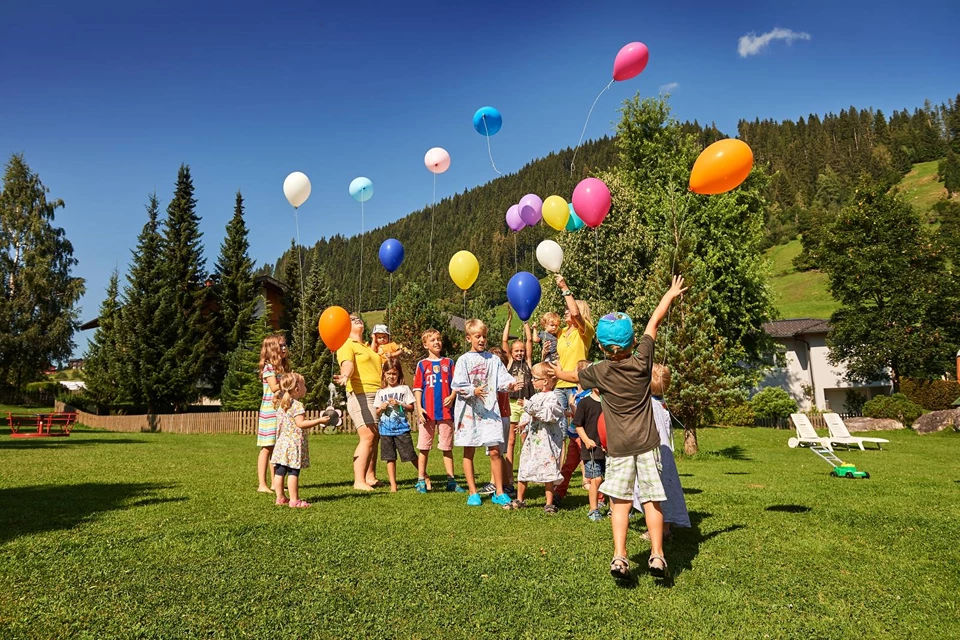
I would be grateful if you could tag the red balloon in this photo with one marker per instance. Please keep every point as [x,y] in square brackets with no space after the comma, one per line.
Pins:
[602,431]
[630,61]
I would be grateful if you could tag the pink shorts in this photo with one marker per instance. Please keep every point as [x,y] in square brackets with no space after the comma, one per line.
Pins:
[428,428]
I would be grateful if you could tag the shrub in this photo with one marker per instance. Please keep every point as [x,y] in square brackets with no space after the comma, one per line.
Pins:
[738,415]
[773,402]
[854,401]
[43,387]
[896,407]
[932,395]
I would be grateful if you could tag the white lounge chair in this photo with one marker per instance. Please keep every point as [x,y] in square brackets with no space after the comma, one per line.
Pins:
[841,435]
[806,434]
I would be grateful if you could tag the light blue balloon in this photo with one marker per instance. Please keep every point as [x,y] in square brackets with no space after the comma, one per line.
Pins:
[574,223]
[361,189]
[493,121]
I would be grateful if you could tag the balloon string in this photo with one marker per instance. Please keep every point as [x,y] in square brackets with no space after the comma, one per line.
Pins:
[489,153]
[596,253]
[303,297]
[390,300]
[360,280]
[677,230]
[516,265]
[464,307]
[432,208]
[577,148]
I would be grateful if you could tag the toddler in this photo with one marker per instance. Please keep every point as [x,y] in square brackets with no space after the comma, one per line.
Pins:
[291,453]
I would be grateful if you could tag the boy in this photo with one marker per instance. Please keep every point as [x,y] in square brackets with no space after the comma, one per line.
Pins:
[432,386]
[477,377]
[586,421]
[633,443]
[547,336]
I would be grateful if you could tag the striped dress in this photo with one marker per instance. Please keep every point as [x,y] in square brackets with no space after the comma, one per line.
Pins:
[267,425]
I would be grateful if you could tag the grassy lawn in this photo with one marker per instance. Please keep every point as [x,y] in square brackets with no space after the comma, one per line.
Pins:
[160,535]
[798,294]
[4,408]
[920,187]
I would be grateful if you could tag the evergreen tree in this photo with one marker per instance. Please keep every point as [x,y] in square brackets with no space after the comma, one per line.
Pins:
[186,362]
[106,369]
[310,356]
[291,298]
[413,312]
[38,314]
[242,387]
[235,292]
[949,172]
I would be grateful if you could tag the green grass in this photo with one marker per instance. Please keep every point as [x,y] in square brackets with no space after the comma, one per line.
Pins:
[4,408]
[798,294]
[161,535]
[921,189]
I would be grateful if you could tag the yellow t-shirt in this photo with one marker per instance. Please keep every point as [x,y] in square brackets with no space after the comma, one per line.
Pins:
[572,347]
[367,366]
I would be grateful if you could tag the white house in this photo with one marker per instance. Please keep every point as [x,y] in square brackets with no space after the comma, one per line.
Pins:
[804,342]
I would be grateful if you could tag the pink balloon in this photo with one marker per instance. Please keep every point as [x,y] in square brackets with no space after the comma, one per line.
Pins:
[531,209]
[630,61]
[514,221]
[591,200]
[437,160]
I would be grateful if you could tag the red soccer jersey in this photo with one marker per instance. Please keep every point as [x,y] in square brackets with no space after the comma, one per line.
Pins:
[433,380]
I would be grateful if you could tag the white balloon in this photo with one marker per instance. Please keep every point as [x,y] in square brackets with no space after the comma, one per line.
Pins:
[437,160]
[297,188]
[550,256]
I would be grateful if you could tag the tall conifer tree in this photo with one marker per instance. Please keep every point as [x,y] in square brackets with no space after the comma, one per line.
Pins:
[106,369]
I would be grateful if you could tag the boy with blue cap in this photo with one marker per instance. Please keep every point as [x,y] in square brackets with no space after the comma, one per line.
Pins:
[633,442]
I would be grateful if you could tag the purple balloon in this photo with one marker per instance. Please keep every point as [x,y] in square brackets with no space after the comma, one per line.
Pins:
[531,209]
[514,221]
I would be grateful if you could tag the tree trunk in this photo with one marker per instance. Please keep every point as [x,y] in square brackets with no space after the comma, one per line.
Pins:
[690,446]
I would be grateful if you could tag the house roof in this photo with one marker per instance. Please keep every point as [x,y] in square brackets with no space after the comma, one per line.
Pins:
[796,327]
[270,282]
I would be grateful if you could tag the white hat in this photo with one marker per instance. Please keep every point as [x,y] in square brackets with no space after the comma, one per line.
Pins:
[380,328]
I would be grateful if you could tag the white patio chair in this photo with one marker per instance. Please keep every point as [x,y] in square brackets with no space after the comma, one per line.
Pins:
[806,434]
[841,435]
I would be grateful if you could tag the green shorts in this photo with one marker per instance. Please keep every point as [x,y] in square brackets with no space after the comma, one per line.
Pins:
[642,470]
[516,411]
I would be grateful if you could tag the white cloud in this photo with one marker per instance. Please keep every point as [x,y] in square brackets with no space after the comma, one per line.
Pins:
[752,44]
[669,87]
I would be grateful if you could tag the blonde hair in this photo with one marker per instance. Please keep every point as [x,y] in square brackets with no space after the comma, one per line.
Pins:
[659,379]
[428,333]
[283,399]
[474,325]
[391,364]
[545,371]
[547,317]
[584,308]
[582,364]
[270,353]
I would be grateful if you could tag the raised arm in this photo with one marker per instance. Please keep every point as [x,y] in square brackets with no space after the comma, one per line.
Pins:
[505,341]
[566,376]
[528,343]
[575,318]
[675,291]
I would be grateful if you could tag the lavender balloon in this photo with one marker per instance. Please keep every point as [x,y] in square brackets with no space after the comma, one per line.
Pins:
[513,218]
[531,209]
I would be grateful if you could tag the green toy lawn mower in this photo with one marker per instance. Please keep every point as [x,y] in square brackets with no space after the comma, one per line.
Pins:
[840,468]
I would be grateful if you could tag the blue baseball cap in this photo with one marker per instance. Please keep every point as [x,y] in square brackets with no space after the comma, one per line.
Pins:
[615,330]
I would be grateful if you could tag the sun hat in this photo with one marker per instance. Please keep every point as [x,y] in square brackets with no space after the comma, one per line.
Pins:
[380,328]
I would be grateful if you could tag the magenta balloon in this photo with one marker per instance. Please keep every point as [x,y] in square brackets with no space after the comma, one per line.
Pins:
[531,209]
[630,61]
[514,221]
[591,200]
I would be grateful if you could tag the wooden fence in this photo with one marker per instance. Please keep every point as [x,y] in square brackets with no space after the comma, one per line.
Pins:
[241,422]
[26,398]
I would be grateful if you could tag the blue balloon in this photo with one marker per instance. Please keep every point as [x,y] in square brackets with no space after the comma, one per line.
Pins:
[493,121]
[523,292]
[391,254]
[574,223]
[361,189]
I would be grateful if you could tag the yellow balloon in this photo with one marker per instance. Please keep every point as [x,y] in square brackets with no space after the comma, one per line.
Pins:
[464,269]
[556,212]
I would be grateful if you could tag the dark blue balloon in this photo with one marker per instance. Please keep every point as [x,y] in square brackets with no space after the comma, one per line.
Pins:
[523,292]
[391,254]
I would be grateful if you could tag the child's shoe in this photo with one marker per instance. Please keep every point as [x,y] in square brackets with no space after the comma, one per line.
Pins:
[550,509]
[657,565]
[510,490]
[488,489]
[453,487]
[501,499]
[595,515]
[421,486]
[474,500]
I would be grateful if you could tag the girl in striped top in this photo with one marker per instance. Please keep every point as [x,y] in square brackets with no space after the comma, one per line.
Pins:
[273,364]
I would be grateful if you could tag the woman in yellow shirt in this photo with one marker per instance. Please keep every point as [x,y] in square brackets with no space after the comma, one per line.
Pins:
[360,369]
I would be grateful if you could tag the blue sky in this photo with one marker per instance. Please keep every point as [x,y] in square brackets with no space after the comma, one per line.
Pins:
[107,99]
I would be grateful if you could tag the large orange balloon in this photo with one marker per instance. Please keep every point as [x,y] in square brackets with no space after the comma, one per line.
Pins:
[721,167]
[334,327]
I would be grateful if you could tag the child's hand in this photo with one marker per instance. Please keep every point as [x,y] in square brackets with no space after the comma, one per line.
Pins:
[677,288]
[516,386]
[384,406]
[589,443]
[323,419]
[393,402]
[448,401]
[481,392]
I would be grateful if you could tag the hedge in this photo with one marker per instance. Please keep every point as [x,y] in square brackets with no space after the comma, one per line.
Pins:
[932,395]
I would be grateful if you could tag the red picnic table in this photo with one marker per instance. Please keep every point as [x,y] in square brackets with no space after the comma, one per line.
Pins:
[40,425]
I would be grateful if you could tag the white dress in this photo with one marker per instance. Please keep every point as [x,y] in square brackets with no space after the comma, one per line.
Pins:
[675,507]
[542,452]
[477,422]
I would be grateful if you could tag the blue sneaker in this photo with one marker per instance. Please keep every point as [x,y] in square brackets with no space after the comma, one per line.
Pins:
[474,500]
[421,486]
[453,487]
[501,499]
[595,515]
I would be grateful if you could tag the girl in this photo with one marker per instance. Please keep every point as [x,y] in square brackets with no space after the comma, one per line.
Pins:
[544,421]
[394,402]
[521,362]
[291,453]
[273,365]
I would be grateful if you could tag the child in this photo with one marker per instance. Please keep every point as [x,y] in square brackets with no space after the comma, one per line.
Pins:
[503,402]
[381,343]
[291,453]
[633,444]
[586,419]
[432,386]
[547,336]
[393,402]
[521,362]
[273,364]
[544,421]
[675,508]
[477,420]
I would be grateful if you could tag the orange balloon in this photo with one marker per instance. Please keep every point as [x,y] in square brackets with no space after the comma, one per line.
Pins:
[334,327]
[721,167]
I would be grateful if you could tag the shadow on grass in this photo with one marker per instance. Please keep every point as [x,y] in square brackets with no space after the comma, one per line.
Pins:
[788,508]
[735,473]
[58,443]
[689,491]
[26,511]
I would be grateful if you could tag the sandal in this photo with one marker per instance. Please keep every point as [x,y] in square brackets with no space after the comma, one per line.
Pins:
[299,504]
[620,568]
[658,566]
[515,504]
[281,501]
[550,509]
[667,537]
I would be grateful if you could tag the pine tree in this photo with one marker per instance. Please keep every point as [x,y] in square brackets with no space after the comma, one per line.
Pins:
[310,356]
[106,367]
[235,293]
[188,340]
[949,172]
[242,387]
[291,297]
[38,314]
